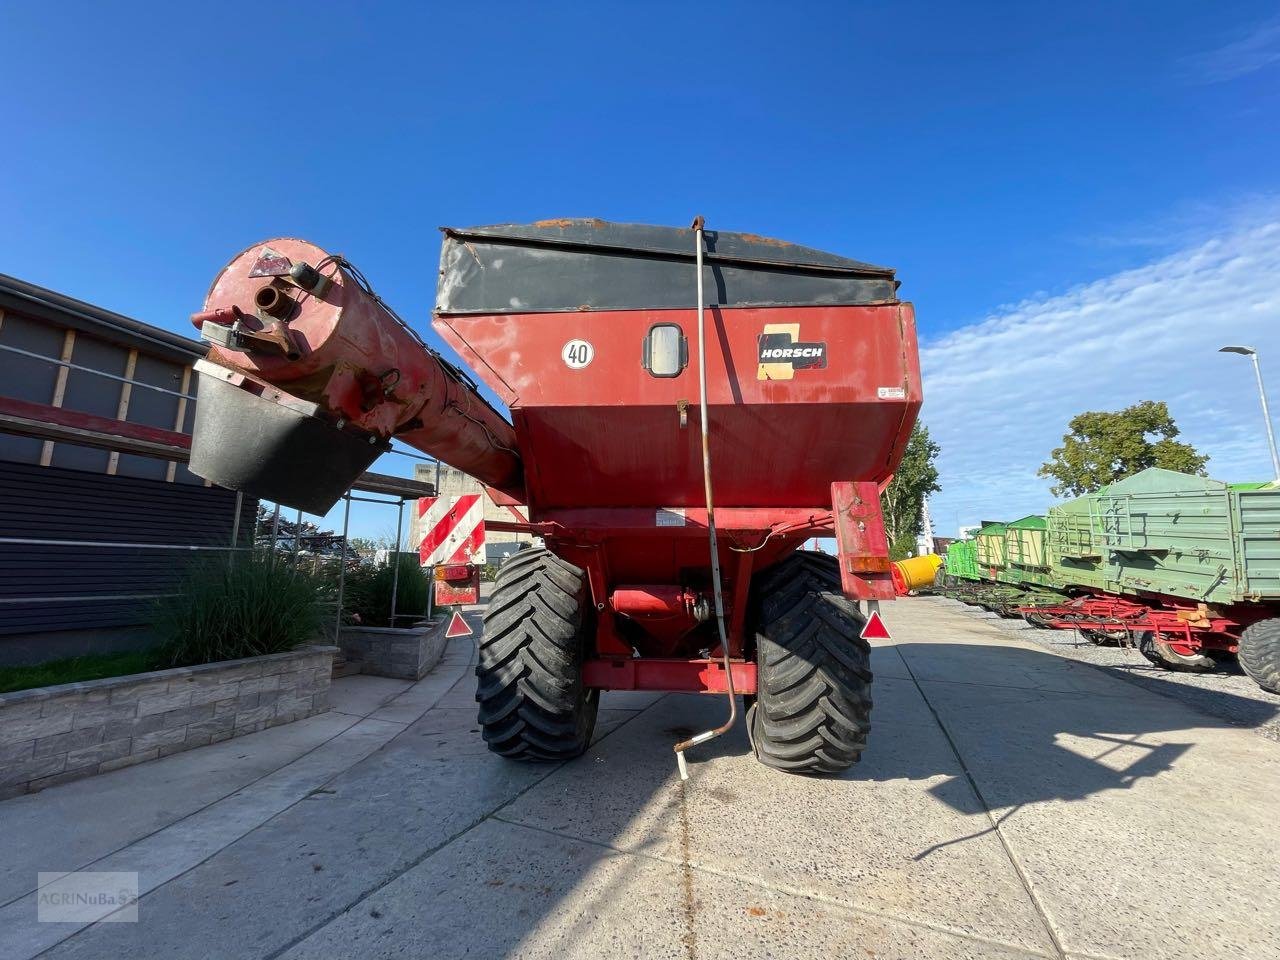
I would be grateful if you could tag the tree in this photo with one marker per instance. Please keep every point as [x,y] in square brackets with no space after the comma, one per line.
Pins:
[1101,447]
[902,502]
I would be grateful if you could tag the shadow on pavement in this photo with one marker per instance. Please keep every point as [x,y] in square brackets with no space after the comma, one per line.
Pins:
[434,847]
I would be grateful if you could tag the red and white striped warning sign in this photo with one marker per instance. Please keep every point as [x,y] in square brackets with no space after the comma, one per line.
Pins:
[452,529]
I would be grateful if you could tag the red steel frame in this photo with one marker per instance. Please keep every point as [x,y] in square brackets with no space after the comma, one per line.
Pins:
[1187,627]
[826,439]
[754,538]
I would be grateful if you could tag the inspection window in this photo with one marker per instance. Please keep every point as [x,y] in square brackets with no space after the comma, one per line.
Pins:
[666,350]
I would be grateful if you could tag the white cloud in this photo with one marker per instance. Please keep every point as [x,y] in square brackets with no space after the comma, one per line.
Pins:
[999,393]
[1250,52]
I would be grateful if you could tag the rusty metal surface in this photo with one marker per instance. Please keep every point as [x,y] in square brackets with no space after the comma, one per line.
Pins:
[608,434]
[575,265]
[691,676]
[862,547]
[456,584]
[344,351]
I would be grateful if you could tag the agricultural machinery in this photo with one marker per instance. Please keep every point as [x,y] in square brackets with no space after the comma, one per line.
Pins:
[687,408]
[1185,568]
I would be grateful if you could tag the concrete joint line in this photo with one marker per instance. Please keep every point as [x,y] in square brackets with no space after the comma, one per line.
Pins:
[417,861]
[367,718]
[198,811]
[790,891]
[1041,912]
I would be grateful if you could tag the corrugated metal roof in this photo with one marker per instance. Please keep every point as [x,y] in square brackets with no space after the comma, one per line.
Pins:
[20,296]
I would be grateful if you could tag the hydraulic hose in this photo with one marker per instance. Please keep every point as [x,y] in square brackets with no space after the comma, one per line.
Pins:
[706,735]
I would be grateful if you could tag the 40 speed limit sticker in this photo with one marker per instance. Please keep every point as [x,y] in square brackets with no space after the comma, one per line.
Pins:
[577,354]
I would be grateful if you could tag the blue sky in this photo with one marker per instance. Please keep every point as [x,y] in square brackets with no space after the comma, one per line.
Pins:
[1012,160]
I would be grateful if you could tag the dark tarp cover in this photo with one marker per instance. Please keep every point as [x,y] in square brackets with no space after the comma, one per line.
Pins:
[564,265]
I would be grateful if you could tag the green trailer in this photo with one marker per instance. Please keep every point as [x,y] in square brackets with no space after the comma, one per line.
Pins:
[962,563]
[978,572]
[1171,534]
[1188,565]
[990,548]
[1027,553]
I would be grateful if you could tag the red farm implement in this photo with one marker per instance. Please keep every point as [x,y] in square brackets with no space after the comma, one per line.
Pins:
[632,359]
[1171,634]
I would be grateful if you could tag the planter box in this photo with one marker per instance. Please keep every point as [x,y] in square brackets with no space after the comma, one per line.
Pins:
[51,735]
[406,653]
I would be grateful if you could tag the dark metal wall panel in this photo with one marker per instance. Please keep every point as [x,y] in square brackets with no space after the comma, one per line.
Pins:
[55,504]
[27,378]
[152,408]
[20,449]
[92,615]
[89,393]
[37,321]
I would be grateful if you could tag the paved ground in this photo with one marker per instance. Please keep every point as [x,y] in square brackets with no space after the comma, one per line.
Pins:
[1225,693]
[1014,804]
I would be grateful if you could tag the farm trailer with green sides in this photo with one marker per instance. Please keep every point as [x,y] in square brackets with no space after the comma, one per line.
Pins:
[1188,566]
[1002,568]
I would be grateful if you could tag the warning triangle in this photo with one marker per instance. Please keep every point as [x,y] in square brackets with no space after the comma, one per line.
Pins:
[457,626]
[874,628]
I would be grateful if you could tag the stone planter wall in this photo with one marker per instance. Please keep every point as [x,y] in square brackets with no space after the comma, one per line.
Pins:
[406,653]
[50,735]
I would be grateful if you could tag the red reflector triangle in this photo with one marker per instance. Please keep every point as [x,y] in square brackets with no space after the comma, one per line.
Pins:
[457,626]
[874,628]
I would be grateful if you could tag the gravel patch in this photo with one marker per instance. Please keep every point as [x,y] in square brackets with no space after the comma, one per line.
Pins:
[1226,693]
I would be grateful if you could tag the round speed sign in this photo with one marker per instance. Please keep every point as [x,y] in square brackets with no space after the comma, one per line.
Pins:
[577,354]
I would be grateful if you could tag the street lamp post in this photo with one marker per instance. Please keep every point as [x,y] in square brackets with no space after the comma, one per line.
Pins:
[1252,354]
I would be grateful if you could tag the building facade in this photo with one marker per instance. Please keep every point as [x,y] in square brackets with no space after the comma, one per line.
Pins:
[92,531]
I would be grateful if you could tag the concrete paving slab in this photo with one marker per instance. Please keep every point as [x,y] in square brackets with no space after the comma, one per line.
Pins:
[172,851]
[1011,804]
[854,840]
[508,891]
[982,655]
[453,670]
[290,875]
[629,699]
[885,661]
[1098,798]
[1143,827]
[360,695]
[1226,692]
[68,827]
[169,835]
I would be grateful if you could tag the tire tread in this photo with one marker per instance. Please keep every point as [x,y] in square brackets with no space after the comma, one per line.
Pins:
[813,710]
[533,705]
[1259,653]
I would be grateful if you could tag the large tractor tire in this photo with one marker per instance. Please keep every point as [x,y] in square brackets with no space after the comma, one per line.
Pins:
[813,709]
[1163,654]
[533,704]
[1259,653]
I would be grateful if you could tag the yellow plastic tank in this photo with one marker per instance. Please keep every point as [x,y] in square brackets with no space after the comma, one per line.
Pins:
[915,572]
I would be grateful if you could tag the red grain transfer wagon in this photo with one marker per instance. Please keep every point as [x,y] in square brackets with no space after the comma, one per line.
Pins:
[669,564]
